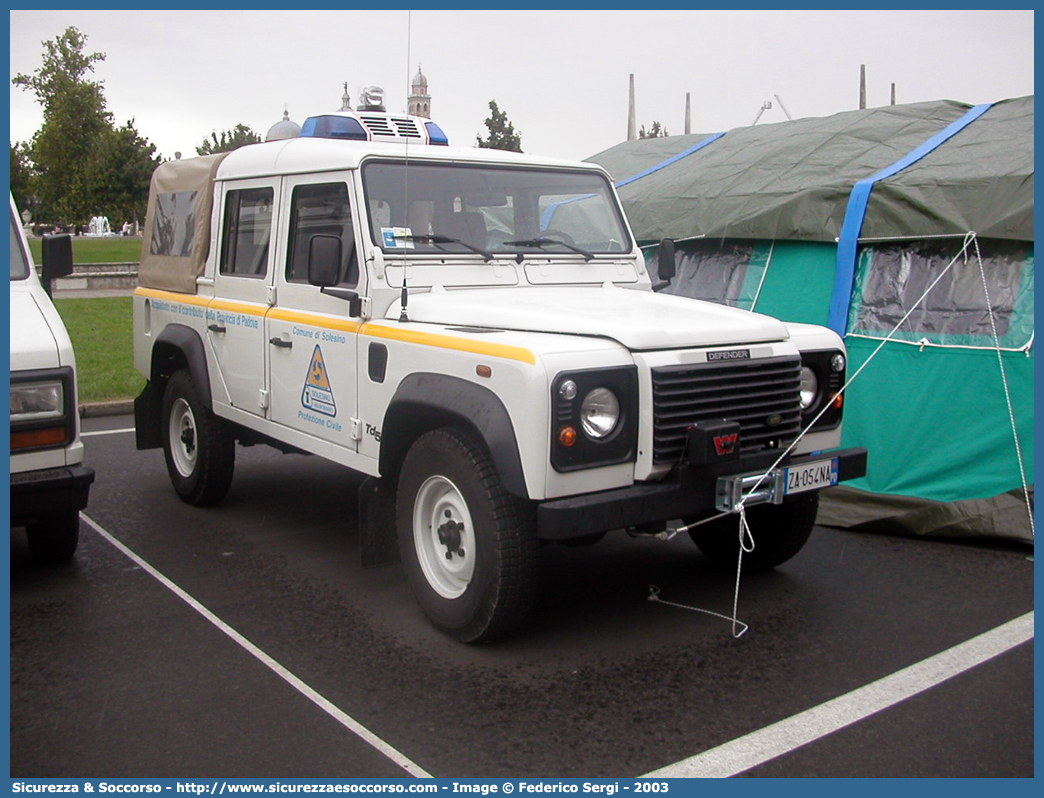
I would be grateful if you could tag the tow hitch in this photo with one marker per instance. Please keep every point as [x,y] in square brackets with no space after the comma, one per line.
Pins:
[773,487]
[733,490]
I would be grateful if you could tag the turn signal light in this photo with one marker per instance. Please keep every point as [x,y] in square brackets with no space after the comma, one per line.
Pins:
[38,438]
[837,401]
[567,436]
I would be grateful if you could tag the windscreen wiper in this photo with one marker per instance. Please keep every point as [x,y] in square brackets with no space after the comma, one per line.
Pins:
[436,238]
[543,242]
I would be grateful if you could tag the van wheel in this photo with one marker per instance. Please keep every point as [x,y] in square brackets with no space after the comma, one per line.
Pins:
[780,531]
[53,538]
[468,547]
[197,445]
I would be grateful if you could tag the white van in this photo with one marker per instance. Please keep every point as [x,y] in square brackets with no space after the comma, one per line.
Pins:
[49,483]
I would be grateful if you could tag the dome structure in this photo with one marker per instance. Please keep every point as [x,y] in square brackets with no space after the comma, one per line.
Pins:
[285,128]
[420,83]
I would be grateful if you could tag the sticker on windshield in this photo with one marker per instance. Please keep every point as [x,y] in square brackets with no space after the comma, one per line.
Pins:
[317,394]
[396,237]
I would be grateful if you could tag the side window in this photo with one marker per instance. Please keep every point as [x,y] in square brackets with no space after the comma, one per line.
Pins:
[248,230]
[891,278]
[174,224]
[321,210]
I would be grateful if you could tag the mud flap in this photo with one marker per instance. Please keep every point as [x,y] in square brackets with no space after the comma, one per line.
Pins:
[377,540]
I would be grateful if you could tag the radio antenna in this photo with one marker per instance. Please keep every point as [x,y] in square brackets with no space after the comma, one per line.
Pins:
[404,296]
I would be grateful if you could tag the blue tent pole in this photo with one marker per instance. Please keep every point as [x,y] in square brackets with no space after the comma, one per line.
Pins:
[855,213]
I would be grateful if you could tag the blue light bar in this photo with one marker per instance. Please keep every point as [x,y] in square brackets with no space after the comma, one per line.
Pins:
[334,127]
[435,134]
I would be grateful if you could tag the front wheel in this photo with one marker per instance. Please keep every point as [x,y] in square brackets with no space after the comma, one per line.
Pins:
[468,547]
[780,531]
[197,445]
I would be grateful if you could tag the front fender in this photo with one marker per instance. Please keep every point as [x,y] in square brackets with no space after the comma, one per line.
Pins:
[426,401]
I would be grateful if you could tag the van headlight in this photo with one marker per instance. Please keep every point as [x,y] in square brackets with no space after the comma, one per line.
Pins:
[37,400]
[42,414]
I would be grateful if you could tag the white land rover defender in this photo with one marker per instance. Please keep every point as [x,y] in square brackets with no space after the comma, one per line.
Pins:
[476,331]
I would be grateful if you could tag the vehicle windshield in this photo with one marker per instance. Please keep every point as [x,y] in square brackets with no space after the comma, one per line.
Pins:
[19,262]
[491,210]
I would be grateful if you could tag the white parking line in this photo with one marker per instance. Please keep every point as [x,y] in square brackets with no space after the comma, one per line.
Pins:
[333,711]
[106,432]
[787,735]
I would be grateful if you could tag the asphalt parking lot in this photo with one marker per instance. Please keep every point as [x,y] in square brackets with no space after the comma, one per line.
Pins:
[247,641]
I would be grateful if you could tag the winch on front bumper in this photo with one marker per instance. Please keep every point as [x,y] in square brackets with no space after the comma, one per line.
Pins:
[697,491]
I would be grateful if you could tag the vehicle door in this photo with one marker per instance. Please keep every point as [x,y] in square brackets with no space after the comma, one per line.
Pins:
[312,338]
[242,291]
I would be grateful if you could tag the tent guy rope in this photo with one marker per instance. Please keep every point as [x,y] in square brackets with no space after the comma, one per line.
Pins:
[746,536]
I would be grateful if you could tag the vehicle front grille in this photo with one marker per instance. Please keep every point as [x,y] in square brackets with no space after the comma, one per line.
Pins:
[764,396]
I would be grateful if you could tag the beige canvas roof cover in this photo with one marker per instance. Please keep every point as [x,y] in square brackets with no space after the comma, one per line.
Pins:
[177,225]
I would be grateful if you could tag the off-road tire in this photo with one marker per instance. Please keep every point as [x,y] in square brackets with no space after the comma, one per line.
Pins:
[484,590]
[198,446]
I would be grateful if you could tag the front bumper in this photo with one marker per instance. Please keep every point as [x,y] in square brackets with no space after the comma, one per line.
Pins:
[688,493]
[49,491]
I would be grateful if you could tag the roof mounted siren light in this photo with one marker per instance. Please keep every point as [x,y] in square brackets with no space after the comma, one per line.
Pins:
[371,98]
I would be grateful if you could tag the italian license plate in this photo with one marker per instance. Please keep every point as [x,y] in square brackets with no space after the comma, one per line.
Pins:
[810,476]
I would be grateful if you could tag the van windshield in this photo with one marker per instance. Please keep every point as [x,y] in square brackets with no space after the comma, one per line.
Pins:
[19,261]
[490,210]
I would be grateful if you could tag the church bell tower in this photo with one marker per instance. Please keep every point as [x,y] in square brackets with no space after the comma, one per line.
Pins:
[419,101]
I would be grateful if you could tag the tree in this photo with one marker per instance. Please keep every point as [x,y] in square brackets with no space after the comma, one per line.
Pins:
[656,131]
[21,175]
[124,168]
[74,118]
[76,149]
[502,135]
[233,139]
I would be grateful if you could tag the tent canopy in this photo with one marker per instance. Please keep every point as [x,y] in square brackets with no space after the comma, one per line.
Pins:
[835,221]
[792,180]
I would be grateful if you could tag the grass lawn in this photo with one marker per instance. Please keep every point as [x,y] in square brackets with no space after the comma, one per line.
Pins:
[100,330]
[113,249]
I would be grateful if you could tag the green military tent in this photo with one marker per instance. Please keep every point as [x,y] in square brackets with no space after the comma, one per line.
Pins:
[846,221]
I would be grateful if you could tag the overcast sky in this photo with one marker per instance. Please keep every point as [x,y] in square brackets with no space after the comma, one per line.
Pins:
[561,76]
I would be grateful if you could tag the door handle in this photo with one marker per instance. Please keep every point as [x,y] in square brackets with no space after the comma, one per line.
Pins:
[281,342]
[216,328]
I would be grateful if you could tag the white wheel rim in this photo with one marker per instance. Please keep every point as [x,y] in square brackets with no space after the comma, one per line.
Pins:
[183,437]
[440,508]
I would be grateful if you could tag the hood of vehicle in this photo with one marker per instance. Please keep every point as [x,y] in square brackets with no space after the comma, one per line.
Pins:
[639,320]
[33,345]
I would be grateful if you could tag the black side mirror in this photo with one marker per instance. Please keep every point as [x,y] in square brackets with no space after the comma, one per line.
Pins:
[324,261]
[57,257]
[324,270]
[665,259]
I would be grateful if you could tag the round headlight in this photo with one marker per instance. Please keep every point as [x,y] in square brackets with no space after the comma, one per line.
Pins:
[837,362]
[600,413]
[809,387]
